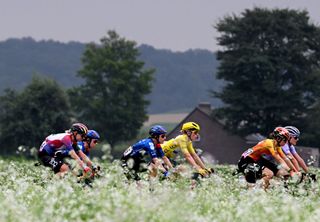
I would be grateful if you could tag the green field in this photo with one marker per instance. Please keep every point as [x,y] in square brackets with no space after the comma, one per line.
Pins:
[30,193]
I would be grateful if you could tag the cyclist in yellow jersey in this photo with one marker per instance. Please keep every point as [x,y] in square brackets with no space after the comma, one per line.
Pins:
[189,133]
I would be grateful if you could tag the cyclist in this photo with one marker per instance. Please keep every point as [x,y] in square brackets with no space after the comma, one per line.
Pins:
[85,147]
[254,164]
[290,150]
[189,133]
[56,146]
[90,142]
[134,159]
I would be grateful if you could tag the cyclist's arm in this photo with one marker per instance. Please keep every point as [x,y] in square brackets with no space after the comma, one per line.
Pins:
[294,161]
[191,161]
[301,162]
[287,161]
[167,162]
[73,154]
[198,160]
[281,161]
[195,156]
[156,162]
[85,158]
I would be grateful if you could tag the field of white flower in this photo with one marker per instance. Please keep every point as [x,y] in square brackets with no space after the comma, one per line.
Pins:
[30,193]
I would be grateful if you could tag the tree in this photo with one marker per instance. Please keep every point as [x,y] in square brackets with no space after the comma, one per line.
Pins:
[268,60]
[112,98]
[26,118]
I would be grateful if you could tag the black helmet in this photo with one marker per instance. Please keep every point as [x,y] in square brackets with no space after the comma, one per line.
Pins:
[79,128]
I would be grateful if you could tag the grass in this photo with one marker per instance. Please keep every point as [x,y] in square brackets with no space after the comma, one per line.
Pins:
[30,193]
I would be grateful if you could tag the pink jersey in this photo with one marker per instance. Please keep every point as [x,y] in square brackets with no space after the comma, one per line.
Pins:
[55,142]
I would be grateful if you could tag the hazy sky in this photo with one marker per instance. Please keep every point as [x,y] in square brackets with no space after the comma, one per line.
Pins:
[165,24]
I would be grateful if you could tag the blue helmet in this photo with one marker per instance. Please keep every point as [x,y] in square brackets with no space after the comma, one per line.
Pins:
[92,134]
[157,130]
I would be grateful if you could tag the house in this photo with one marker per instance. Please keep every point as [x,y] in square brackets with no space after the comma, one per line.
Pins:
[224,147]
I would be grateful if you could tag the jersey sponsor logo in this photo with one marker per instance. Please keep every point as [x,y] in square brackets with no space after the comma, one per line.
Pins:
[53,163]
[151,146]
[247,153]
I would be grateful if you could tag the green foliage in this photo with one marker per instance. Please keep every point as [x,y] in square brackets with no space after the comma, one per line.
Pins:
[112,99]
[269,59]
[28,117]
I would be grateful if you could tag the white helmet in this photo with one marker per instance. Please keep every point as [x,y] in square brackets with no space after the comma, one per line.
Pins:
[293,131]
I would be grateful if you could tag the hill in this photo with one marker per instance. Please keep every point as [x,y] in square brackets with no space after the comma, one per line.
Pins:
[182,79]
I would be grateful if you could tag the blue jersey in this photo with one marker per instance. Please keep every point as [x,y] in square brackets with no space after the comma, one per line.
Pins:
[142,148]
[83,148]
[159,151]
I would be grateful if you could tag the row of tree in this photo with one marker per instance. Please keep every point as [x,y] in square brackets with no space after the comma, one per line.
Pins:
[111,100]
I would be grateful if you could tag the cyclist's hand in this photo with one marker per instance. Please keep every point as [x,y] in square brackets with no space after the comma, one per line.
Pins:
[86,169]
[202,172]
[210,170]
[166,174]
[292,173]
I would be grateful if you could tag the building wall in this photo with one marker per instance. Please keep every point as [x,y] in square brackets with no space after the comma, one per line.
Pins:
[309,154]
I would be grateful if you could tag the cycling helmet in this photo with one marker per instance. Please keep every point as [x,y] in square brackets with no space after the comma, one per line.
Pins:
[293,131]
[281,133]
[190,126]
[92,134]
[157,130]
[79,128]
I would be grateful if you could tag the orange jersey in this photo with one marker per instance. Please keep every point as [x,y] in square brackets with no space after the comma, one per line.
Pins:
[265,147]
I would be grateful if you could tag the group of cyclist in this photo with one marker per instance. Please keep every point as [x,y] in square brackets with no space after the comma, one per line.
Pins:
[161,153]
[275,156]
[75,143]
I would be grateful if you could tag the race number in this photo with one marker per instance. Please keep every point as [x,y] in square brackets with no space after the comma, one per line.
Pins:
[247,153]
[128,151]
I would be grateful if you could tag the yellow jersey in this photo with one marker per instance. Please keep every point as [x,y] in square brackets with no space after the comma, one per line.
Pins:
[182,141]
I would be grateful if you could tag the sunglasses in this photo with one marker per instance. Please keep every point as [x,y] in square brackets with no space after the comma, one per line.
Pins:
[282,138]
[195,132]
[163,136]
[296,138]
[95,141]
